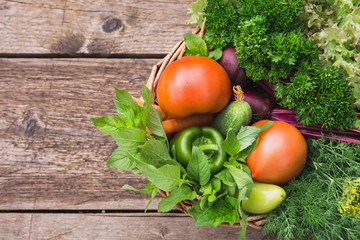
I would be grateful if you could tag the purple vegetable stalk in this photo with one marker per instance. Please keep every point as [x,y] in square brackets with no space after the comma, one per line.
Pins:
[316,131]
[266,86]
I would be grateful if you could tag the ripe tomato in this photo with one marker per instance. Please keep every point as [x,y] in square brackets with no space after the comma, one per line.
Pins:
[193,85]
[280,154]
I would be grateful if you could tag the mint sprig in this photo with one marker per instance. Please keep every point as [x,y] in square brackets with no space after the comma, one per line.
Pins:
[149,154]
[196,46]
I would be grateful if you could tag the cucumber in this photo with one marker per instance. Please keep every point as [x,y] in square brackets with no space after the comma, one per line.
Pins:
[234,115]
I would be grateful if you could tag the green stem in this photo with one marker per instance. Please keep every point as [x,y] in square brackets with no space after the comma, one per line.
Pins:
[209,147]
[190,182]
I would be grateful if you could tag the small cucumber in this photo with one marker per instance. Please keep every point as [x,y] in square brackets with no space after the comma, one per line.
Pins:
[236,114]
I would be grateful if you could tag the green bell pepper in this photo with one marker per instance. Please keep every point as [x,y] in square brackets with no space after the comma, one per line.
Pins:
[182,143]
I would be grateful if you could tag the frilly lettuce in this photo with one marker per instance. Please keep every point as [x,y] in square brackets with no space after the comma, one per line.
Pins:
[335,27]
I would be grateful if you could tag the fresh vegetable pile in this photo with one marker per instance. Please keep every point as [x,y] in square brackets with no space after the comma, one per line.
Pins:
[259,117]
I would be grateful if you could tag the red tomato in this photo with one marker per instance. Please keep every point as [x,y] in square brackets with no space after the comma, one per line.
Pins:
[193,85]
[280,154]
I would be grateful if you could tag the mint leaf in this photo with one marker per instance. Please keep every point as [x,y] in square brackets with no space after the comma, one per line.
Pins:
[226,177]
[127,109]
[241,156]
[130,137]
[196,210]
[153,195]
[265,126]
[109,125]
[156,153]
[166,177]
[215,54]
[198,167]
[149,188]
[120,160]
[231,143]
[216,184]
[212,197]
[204,203]
[176,196]
[195,45]
[247,136]
[242,178]
[234,202]
[148,99]
[154,122]
[220,212]
[126,114]
[206,189]
[146,94]
[126,99]
[128,140]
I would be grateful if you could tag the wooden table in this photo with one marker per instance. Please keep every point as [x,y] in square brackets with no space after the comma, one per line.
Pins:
[59,63]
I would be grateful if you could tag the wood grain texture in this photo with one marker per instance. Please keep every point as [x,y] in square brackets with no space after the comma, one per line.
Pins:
[112,226]
[91,27]
[52,157]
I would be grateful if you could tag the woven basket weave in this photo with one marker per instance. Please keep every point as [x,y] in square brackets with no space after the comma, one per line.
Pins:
[177,52]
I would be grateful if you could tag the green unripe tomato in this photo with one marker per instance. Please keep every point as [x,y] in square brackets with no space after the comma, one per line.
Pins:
[263,198]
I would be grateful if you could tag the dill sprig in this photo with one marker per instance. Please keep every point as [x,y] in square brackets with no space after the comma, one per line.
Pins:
[311,209]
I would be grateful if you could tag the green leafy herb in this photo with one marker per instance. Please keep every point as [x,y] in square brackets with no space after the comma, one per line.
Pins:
[239,146]
[311,208]
[196,46]
[322,97]
[119,159]
[231,144]
[226,177]
[196,12]
[109,125]
[221,24]
[149,188]
[198,168]
[242,179]
[271,45]
[222,211]
[166,177]
[196,210]
[155,153]
[271,55]
[176,196]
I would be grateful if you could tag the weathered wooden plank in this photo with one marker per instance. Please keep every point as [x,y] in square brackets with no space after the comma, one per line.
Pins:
[112,226]
[52,157]
[91,27]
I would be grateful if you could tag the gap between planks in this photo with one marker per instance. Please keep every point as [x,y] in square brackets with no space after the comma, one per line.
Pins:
[97,56]
[106,213]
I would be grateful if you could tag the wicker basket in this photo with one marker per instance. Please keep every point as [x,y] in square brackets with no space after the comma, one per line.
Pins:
[177,52]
